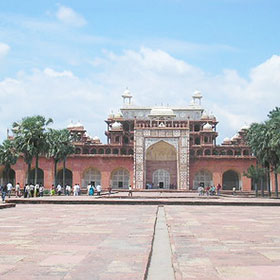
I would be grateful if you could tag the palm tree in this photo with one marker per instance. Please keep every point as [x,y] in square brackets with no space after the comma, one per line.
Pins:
[60,146]
[256,173]
[30,138]
[264,140]
[8,156]
[274,144]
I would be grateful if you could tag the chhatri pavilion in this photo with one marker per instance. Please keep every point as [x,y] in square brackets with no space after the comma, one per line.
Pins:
[152,147]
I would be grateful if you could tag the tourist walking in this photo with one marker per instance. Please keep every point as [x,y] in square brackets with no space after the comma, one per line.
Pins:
[76,189]
[98,189]
[91,190]
[36,193]
[4,192]
[53,190]
[219,187]
[17,188]
[9,189]
[58,189]
[129,190]
[41,190]
[32,187]
[68,190]
[27,189]
[110,189]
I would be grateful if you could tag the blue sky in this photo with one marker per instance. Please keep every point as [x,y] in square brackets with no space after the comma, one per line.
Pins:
[84,53]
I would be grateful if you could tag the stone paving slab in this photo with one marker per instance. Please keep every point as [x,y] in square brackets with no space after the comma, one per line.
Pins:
[230,243]
[75,241]
[153,199]
[7,205]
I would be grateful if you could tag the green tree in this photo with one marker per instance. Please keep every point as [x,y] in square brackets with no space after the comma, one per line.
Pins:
[30,139]
[255,173]
[274,143]
[8,156]
[60,146]
[264,140]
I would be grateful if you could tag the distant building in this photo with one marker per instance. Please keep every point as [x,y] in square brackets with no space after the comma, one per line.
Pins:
[152,147]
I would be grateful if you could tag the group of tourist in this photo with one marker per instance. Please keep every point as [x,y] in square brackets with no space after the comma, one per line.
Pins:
[209,190]
[37,190]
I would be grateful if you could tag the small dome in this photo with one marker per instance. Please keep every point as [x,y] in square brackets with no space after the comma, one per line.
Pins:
[212,117]
[111,115]
[70,125]
[118,115]
[204,116]
[162,111]
[95,138]
[78,124]
[197,94]
[116,125]
[226,140]
[245,127]
[126,93]
[207,126]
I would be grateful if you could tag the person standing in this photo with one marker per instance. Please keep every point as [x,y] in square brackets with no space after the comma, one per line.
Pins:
[76,190]
[9,189]
[58,189]
[4,192]
[98,189]
[41,190]
[91,191]
[219,189]
[17,190]
[68,190]
[130,191]
[37,186]
[110,189]
[32,187]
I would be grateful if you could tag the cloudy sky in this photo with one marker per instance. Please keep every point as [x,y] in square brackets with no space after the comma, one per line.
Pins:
[71,60]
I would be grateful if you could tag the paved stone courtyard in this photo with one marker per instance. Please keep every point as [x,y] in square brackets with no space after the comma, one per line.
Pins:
[114,241]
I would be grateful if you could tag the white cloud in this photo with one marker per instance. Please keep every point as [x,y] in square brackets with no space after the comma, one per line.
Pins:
[4,49]
[52,73]
[70,17]
[153,76]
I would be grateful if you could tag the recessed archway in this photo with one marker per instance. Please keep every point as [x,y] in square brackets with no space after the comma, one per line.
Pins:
[68,177]
[120,179]
[202,178]
[5,177]
[91,175]
[40,177]
[161,156]
[230,180]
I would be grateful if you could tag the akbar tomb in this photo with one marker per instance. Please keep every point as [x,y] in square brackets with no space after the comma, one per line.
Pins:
[152,147]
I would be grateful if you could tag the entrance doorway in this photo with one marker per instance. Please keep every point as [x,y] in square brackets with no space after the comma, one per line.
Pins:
[161,166]
[230,180]
[161,179]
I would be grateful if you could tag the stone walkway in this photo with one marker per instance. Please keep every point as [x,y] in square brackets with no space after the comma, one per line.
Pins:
[161,267]
[114,242]
[230,243]
[75,242]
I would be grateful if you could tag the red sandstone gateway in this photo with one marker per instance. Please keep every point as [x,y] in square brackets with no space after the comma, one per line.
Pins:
[155,148]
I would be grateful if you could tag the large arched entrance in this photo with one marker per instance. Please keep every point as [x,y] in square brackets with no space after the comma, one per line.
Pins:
[230,180]
[120,179]
[40,177]
[91,175]
[202,178]
[6,178]
[161,166]
[68,177]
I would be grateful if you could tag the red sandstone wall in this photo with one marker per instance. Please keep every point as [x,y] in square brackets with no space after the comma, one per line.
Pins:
[218,166]
[78,165]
